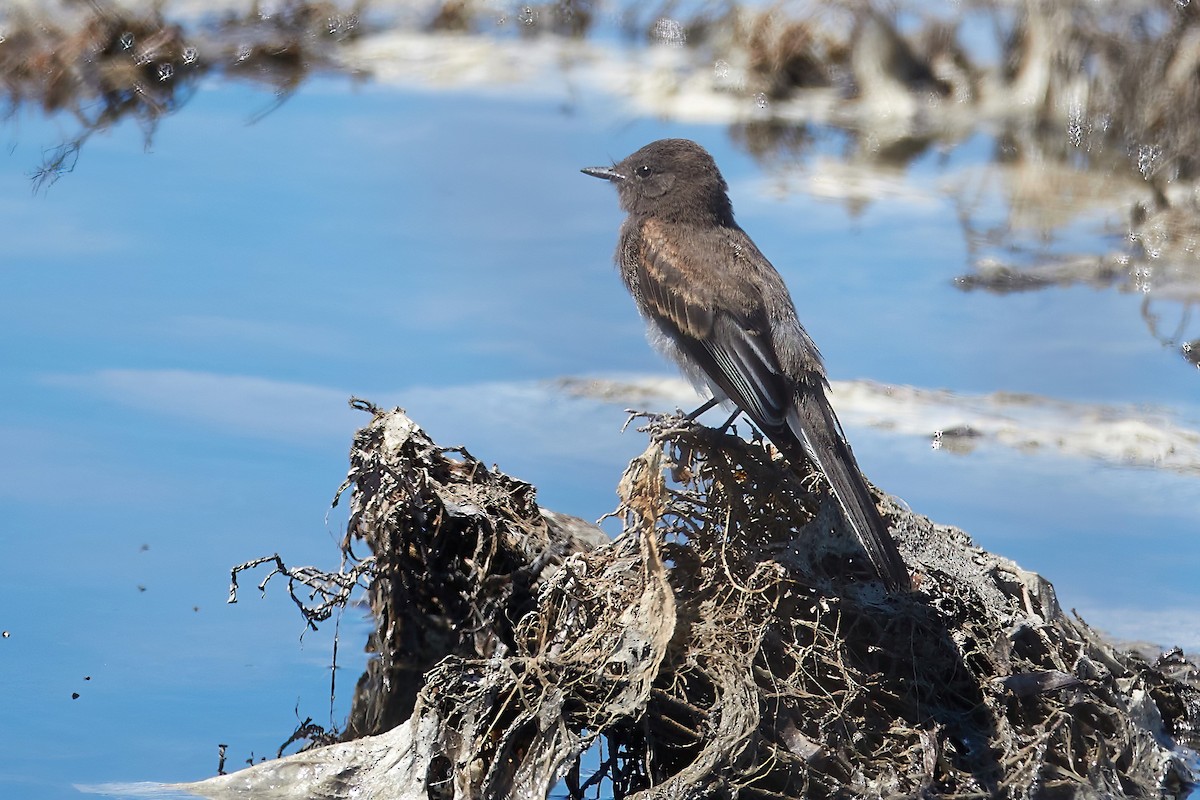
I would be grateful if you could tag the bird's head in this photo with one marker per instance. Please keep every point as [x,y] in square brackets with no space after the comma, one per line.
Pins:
[670,178]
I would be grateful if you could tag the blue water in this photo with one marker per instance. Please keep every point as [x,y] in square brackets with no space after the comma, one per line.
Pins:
[182,324]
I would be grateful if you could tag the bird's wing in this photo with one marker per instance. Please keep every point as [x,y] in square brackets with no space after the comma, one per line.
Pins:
[720,324]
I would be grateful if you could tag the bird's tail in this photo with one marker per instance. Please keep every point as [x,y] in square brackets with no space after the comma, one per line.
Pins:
[812,421]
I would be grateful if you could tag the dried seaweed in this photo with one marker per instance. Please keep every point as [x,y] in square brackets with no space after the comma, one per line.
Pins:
[731,642]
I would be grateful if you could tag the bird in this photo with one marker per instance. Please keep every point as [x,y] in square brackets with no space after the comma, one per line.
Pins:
[715,305]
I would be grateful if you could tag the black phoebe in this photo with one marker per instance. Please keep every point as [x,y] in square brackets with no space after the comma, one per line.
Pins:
[714,304]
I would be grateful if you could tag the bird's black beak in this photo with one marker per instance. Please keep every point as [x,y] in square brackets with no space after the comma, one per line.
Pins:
[606,173]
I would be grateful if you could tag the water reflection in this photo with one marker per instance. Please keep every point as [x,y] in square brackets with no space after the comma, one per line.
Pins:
[959,423]
[105,63]
[1092,107]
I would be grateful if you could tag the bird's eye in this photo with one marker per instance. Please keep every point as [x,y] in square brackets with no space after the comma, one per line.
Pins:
[643,170]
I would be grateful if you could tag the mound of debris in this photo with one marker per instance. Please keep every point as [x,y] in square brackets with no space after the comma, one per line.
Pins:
[731,642]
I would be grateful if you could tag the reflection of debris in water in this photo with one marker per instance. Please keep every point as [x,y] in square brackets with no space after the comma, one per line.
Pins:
[1162,264]
[1191,352]
[1092,106]
[1126,436]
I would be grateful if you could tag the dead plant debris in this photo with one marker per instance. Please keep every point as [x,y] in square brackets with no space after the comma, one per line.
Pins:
[730,642]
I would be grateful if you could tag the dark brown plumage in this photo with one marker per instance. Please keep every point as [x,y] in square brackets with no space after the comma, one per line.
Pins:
[713,303]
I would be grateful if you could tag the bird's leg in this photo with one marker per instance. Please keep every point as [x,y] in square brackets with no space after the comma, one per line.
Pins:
[712,401]
[729,421]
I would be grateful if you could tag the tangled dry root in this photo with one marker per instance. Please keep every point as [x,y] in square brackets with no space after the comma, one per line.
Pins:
[731,642]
